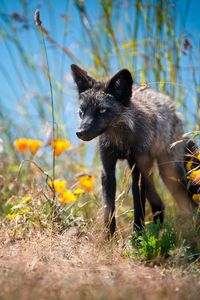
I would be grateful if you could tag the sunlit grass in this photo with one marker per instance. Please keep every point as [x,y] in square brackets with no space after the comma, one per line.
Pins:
[56,188]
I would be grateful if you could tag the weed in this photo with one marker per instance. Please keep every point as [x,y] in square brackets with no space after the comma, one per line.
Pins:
[154,241]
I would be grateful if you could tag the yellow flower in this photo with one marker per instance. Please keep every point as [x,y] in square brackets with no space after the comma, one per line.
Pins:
[21,145]
[196,197]
[189,165]
[130,214]
[67,197]
[60,145]
[121,209]
[59,185]
[195,176]
[79,191]
[87,183]
[10,216]
[34,145]
[198,156]
[82,168]
[24,211]
[27,199]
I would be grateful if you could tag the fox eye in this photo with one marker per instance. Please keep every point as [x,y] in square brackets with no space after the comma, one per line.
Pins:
[102,110]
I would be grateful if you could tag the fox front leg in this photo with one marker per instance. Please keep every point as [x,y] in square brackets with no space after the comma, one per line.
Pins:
[138,191]
[109,189]
[139,199]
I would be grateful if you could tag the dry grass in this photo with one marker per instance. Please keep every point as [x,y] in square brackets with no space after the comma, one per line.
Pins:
[36,262]
[78,265]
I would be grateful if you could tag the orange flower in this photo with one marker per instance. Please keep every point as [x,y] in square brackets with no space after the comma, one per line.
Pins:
[195,176]
[196,197]
[67,197]
[34,145]
[189,165]
[60,145]
[87,182]
[21,145]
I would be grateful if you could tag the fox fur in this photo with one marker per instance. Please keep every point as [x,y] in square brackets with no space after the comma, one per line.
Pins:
[137,124]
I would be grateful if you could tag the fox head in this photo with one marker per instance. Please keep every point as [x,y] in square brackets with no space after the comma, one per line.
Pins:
[101,104]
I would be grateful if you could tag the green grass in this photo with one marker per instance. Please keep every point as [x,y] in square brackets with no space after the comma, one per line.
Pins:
[154,241]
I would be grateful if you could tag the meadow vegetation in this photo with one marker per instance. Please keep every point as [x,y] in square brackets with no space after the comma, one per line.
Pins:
[51,207]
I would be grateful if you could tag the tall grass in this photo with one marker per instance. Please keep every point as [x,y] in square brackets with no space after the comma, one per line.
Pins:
[148,37]
[42,30]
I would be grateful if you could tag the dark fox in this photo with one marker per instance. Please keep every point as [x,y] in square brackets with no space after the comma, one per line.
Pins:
[137,124]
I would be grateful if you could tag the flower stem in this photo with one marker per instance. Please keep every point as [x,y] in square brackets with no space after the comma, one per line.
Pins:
[52,106]
[38,23]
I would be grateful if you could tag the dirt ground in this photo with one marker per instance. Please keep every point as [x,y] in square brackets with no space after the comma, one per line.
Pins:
[74,266]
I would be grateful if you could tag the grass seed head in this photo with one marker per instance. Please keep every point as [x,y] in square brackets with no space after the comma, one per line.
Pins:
[38,22]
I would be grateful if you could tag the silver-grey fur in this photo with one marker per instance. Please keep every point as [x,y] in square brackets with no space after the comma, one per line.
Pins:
[140,125]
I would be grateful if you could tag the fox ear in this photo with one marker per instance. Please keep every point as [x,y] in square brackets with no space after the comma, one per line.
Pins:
[120,86]
[83,81]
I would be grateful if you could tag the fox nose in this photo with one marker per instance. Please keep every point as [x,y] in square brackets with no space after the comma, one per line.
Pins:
[80,133]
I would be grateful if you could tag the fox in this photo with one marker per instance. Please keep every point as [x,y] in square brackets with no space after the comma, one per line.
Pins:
[137,124]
